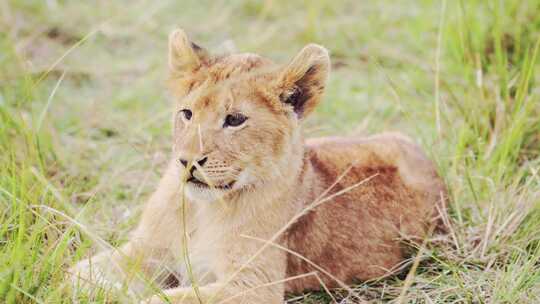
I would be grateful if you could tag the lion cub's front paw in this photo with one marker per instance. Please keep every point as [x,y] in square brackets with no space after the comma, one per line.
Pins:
[182,300]
[153,300]
[86,276]
[159,300]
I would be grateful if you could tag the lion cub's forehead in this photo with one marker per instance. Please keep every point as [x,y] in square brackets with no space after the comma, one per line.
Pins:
[228,69]
[234,82]
[244,95]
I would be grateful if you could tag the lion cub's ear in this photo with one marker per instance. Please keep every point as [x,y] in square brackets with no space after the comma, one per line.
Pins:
[184,55]
[301,82]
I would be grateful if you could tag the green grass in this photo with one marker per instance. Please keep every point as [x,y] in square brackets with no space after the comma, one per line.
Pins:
[84,122]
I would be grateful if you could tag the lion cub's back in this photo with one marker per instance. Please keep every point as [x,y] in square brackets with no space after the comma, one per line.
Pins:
[355,234]
[383,150]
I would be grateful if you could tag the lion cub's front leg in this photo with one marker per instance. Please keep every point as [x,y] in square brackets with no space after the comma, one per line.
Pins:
[110,268]
[241,279]
[149,247]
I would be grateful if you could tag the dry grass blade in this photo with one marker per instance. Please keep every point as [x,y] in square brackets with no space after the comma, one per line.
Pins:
[410,276]
[69,51]
[185,240]
[49,100]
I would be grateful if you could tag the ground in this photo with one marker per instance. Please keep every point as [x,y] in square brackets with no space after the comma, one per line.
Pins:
[85,126]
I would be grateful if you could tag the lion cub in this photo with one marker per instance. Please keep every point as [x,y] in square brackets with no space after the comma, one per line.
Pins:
[248,210]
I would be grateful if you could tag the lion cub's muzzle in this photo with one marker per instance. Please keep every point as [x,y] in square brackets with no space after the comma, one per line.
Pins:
[211,177]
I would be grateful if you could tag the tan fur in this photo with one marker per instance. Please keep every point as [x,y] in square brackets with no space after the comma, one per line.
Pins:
[344,204]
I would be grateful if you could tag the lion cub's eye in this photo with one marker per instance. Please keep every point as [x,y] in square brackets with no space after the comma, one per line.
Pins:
[234,120]
[187,114]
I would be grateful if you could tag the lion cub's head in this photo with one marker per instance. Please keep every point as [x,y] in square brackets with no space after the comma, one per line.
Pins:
[236,117]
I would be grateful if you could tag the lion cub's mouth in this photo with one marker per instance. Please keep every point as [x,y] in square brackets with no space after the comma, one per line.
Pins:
[202,184]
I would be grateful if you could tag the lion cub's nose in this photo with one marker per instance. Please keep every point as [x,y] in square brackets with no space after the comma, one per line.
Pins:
[201,161]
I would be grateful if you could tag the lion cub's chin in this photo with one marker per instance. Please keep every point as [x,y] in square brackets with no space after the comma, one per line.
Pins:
[204,194]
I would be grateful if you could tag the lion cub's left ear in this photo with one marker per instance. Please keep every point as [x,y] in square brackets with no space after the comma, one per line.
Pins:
[301,82]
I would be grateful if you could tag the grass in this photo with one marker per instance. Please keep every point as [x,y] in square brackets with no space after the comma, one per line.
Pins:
[84,122]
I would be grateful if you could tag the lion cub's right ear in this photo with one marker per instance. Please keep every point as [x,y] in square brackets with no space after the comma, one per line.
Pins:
[184,55]
[302,81]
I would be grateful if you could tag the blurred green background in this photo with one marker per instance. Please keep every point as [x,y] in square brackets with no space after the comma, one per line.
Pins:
[85,125]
